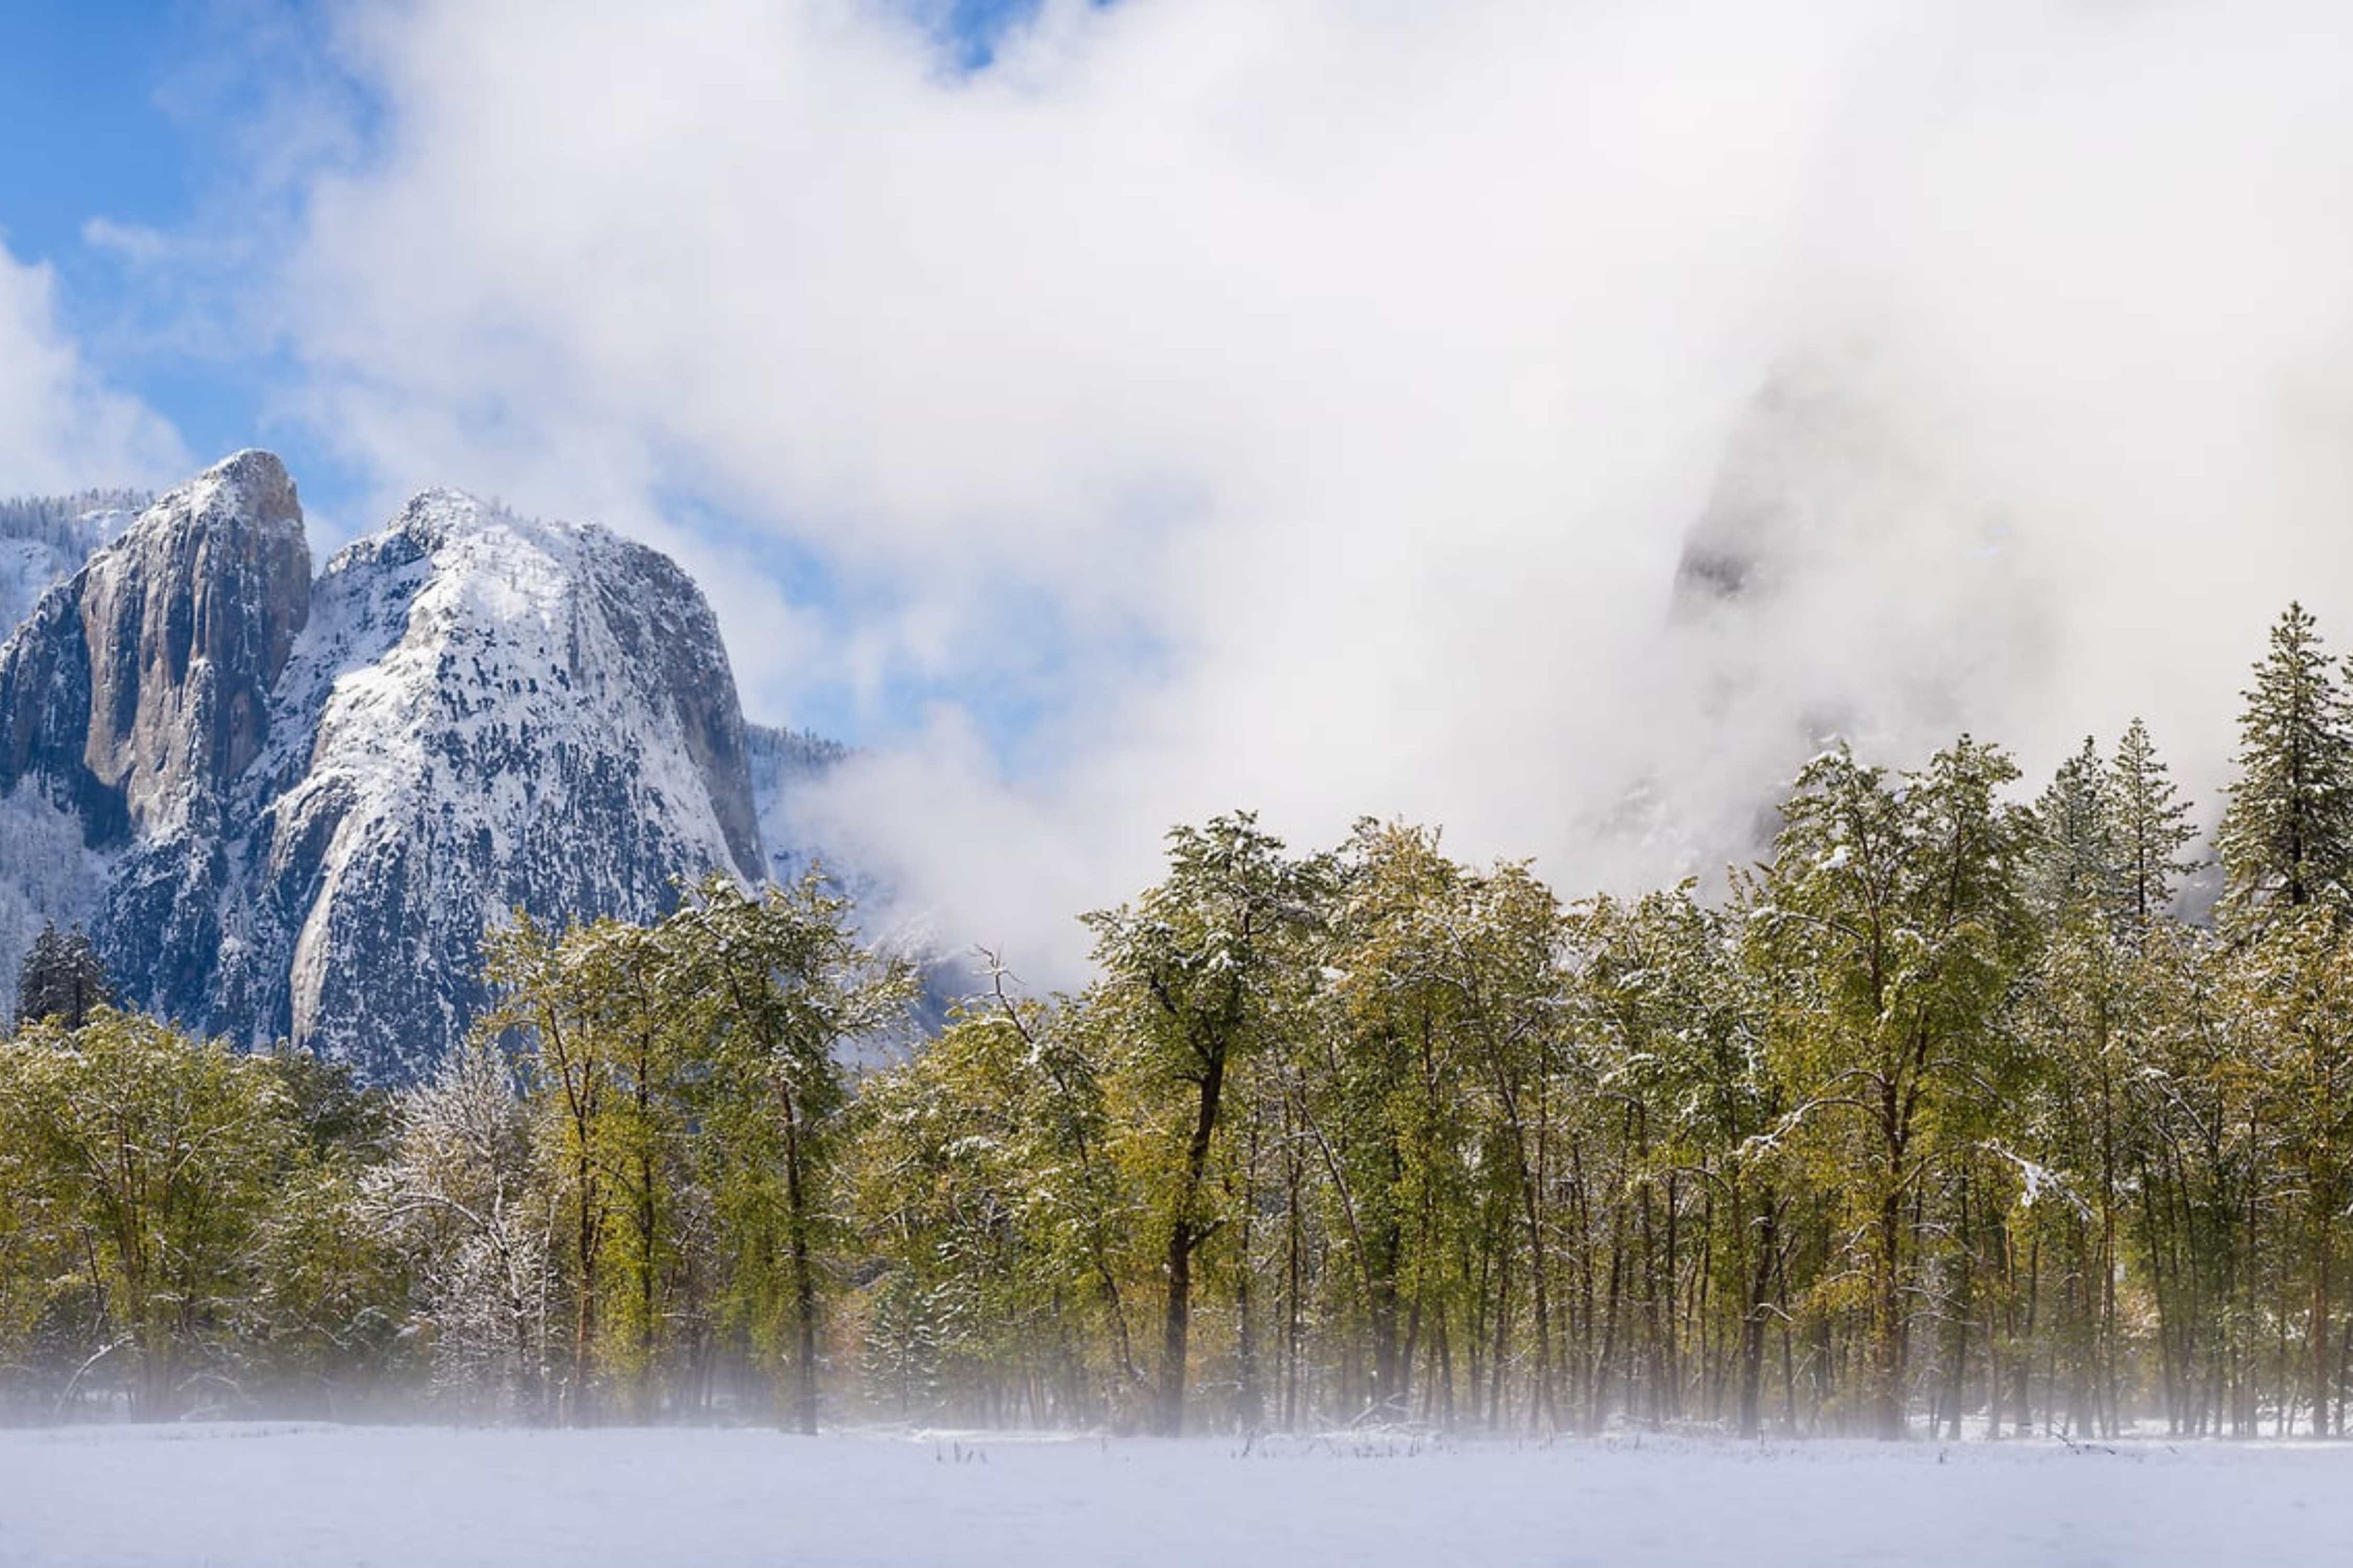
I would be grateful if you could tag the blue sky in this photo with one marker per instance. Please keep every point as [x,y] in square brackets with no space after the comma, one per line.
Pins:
[134,113]
[141,117]
[80,108]
[87,136]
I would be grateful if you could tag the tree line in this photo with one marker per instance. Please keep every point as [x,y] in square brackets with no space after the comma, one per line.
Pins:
[1940,1119]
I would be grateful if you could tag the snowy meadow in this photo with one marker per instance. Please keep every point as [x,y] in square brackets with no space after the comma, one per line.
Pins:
[267,1495]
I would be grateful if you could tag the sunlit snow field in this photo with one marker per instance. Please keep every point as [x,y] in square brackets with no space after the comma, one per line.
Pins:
[280,1494]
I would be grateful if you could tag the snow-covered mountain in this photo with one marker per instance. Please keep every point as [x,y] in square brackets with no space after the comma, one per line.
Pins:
[785,764]
[44,540]
[46,871]
[302,802]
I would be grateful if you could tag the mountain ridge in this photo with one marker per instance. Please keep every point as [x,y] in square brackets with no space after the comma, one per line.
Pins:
[307,797]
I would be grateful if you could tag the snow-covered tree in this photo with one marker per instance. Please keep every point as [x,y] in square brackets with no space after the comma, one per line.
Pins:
[1195,970]
[1895,916]
[2075,853]
[780,989]
[2287,838]
[61,978]
[2150,830]
[465,1196]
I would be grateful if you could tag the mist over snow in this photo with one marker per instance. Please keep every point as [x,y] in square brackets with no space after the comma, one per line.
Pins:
[267,1495]
[1309,405]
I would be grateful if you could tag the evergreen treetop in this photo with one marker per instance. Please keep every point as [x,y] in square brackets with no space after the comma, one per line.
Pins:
[2152,832]
[62,978]
[2287,838]
[2077,858]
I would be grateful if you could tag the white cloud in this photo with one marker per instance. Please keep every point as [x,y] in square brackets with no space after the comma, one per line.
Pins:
[60,428]
[1307,400]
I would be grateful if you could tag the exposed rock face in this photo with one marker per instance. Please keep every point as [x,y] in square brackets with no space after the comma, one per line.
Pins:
[138,688]
[188,619]
[319,796]
[489,714]
[1810,477]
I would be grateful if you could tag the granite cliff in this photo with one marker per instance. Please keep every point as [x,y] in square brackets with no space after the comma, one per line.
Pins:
[302,801]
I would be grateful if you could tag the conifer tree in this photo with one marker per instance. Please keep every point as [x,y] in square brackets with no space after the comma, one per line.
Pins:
[33,973]
[61,978]
[2151,832]
[2286,839]
[2075,852]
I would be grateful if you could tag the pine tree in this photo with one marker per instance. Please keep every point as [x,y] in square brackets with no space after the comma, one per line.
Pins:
[2287,838]
[2152,832]
[2076,857]
[61,978]
[33,973]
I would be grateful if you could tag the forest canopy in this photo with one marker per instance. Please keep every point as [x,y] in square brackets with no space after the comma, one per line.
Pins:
[1941,1118]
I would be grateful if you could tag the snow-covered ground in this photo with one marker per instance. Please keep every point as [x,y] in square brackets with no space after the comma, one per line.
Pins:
[261,1496]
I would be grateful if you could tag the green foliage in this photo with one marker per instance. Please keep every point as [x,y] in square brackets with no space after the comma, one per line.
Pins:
[139,1179]
[1892,925]
[2287,840]
[2149,831]
[781,988]
[1000,1226]
[1943,1118]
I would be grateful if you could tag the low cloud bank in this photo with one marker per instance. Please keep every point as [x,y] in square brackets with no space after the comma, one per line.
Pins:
[1310,406]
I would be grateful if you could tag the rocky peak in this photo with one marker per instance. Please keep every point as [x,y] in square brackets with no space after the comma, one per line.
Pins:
[486,712]
[304,803]
[141,685]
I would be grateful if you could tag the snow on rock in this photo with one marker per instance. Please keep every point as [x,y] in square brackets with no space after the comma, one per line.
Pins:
[314,798]
[138,689]
[44,540]
[29,568]
[485,713]
[46,873]
[785,764]
[136,693]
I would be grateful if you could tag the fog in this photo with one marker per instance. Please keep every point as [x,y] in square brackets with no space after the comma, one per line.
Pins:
[288,1496]
[1306,405]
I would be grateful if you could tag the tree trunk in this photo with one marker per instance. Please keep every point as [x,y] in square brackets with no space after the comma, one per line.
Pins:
[1753,1318]
[2318,1329]
[1184,1234]
[804,1406]
[1252,1411]
[1887,1325]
